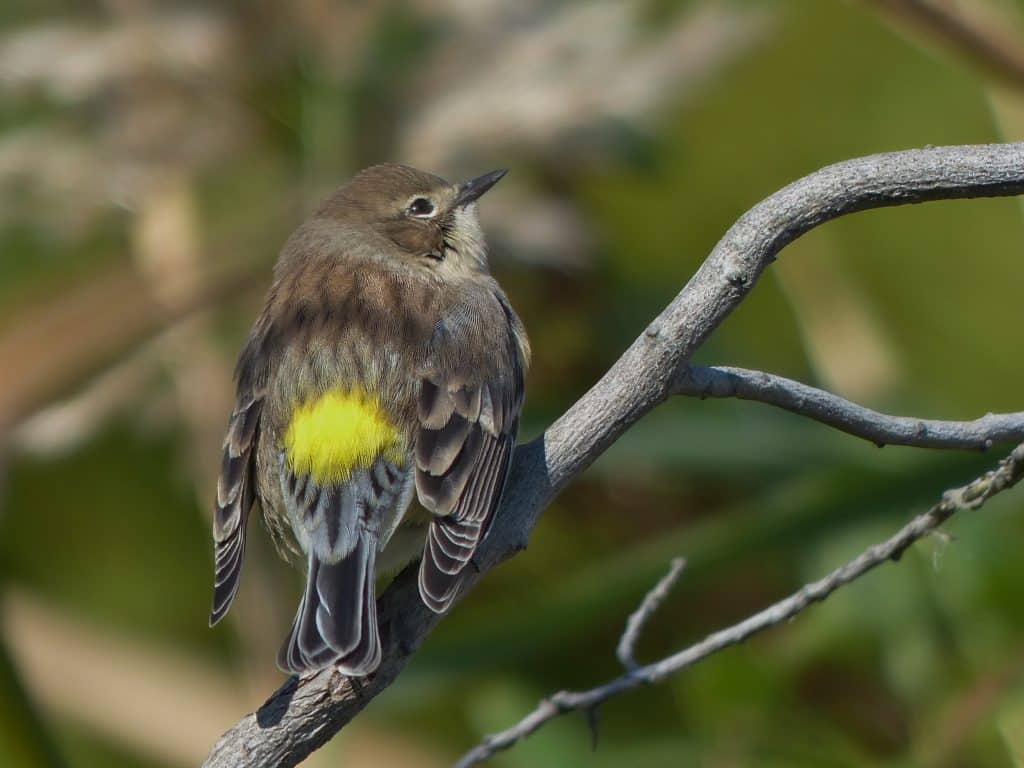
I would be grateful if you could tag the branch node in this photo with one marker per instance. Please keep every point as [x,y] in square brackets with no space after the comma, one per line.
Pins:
[736,277]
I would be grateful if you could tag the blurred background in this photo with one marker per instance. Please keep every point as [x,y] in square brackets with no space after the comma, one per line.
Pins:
[153,158]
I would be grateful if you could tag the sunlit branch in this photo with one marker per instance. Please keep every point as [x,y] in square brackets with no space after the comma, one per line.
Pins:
[305,713]
[835,411]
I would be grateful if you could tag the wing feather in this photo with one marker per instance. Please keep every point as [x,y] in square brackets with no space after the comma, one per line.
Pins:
[235,494]
[464,444]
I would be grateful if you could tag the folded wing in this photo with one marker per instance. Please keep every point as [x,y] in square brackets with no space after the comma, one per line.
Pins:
[235,493]
[467,432]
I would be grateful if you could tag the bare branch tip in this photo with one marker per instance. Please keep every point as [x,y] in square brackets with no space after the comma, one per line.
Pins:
[625,652]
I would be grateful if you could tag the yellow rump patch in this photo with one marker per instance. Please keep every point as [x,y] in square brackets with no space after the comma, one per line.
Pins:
[340,431]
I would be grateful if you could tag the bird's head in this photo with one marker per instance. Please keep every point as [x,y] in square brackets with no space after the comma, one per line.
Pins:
[430,220]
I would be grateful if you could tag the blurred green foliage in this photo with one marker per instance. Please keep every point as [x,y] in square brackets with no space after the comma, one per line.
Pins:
[919,663]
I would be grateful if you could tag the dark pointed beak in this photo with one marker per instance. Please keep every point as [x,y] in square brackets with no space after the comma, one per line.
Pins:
[470,191]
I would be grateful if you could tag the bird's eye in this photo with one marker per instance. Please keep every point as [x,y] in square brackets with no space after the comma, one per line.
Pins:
[421,207]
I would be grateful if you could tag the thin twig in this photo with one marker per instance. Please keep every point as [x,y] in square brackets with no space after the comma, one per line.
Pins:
[304,714]
[639,618]
[881,429]
[970,496]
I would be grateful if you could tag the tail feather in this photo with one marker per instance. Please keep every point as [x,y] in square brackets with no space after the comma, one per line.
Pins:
[336,624]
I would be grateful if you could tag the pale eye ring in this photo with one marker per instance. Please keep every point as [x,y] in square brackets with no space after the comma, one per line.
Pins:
[422,207]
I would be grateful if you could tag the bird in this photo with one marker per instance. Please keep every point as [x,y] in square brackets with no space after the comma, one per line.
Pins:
[387,363]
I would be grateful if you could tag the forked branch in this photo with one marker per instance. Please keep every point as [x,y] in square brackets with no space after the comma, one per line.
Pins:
[304,714]
[970,496]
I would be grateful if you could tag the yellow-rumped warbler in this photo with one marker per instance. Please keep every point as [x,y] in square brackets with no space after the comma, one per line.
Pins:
[386,359]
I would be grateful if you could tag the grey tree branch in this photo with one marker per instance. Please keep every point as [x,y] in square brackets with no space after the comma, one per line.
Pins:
[625,652]
[970,496]
[304,714]
[879,428]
